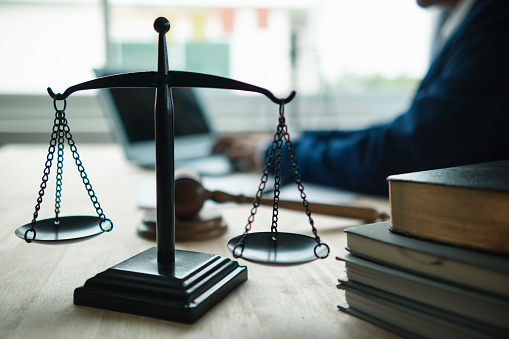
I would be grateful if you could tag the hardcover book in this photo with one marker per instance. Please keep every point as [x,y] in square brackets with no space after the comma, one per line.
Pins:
[485,272]
[478,307]
[464,205]
[411,319]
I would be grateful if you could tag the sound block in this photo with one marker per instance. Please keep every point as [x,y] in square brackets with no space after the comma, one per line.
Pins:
[184,293]
[206,225]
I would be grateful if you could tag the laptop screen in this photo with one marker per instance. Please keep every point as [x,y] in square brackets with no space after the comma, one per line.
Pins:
[134,108]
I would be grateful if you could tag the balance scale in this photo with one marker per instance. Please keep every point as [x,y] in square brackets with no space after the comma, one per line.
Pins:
[163,282]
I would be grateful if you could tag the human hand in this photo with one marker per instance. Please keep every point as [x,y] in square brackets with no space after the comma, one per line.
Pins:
[244,149]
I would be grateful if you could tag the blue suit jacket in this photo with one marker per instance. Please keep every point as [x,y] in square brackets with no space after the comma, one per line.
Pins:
[459,115]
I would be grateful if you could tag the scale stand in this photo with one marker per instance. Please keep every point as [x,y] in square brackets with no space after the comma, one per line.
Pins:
[160,282]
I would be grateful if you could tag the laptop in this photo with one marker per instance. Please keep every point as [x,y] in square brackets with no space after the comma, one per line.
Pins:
[130,112]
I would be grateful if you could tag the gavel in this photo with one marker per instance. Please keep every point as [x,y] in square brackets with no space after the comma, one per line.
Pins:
[190,195]
[191,223]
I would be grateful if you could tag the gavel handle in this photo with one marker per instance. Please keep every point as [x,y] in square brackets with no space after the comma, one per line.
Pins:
[362,213]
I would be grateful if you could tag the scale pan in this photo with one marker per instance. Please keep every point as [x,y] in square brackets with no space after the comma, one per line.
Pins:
[67,230]
[288,249]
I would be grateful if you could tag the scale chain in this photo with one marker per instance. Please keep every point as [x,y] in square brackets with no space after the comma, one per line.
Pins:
[281,136]
[258,197]
[83,174]
[298,180]
[46,173]
[278,138]
[300,185]
[60,132]
[60,116]
[261,188]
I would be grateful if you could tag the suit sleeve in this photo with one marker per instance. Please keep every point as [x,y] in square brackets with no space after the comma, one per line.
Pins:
[459,115]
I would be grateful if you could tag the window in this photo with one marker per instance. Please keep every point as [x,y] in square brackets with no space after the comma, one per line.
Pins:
[351,62]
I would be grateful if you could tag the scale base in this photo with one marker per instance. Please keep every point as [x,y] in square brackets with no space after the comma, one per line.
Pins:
[197,283]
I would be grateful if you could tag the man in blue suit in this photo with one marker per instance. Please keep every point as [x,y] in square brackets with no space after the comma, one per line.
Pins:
[459,114]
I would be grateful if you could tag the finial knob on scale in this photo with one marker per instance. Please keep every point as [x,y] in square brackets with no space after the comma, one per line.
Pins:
[162,25]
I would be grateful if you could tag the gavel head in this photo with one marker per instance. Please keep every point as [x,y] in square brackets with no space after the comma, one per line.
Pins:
[189,194]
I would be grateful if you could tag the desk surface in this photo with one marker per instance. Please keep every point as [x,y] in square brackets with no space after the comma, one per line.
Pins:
[37,281]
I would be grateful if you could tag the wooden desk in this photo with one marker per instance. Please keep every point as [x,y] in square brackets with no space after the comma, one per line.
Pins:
[37,281]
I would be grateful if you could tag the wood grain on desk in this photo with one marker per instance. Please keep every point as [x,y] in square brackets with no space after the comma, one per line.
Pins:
[37,281]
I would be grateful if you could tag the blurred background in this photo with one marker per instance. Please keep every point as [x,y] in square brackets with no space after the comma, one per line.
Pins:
[352,63]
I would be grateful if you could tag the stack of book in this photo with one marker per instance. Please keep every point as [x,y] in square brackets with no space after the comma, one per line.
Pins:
[440,267]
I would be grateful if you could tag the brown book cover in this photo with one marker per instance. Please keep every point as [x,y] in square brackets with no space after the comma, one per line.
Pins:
[464,205]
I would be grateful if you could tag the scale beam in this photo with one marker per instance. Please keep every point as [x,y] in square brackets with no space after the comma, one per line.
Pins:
[174,79]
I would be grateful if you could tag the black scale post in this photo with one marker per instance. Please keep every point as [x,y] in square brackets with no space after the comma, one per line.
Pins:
[163,282]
